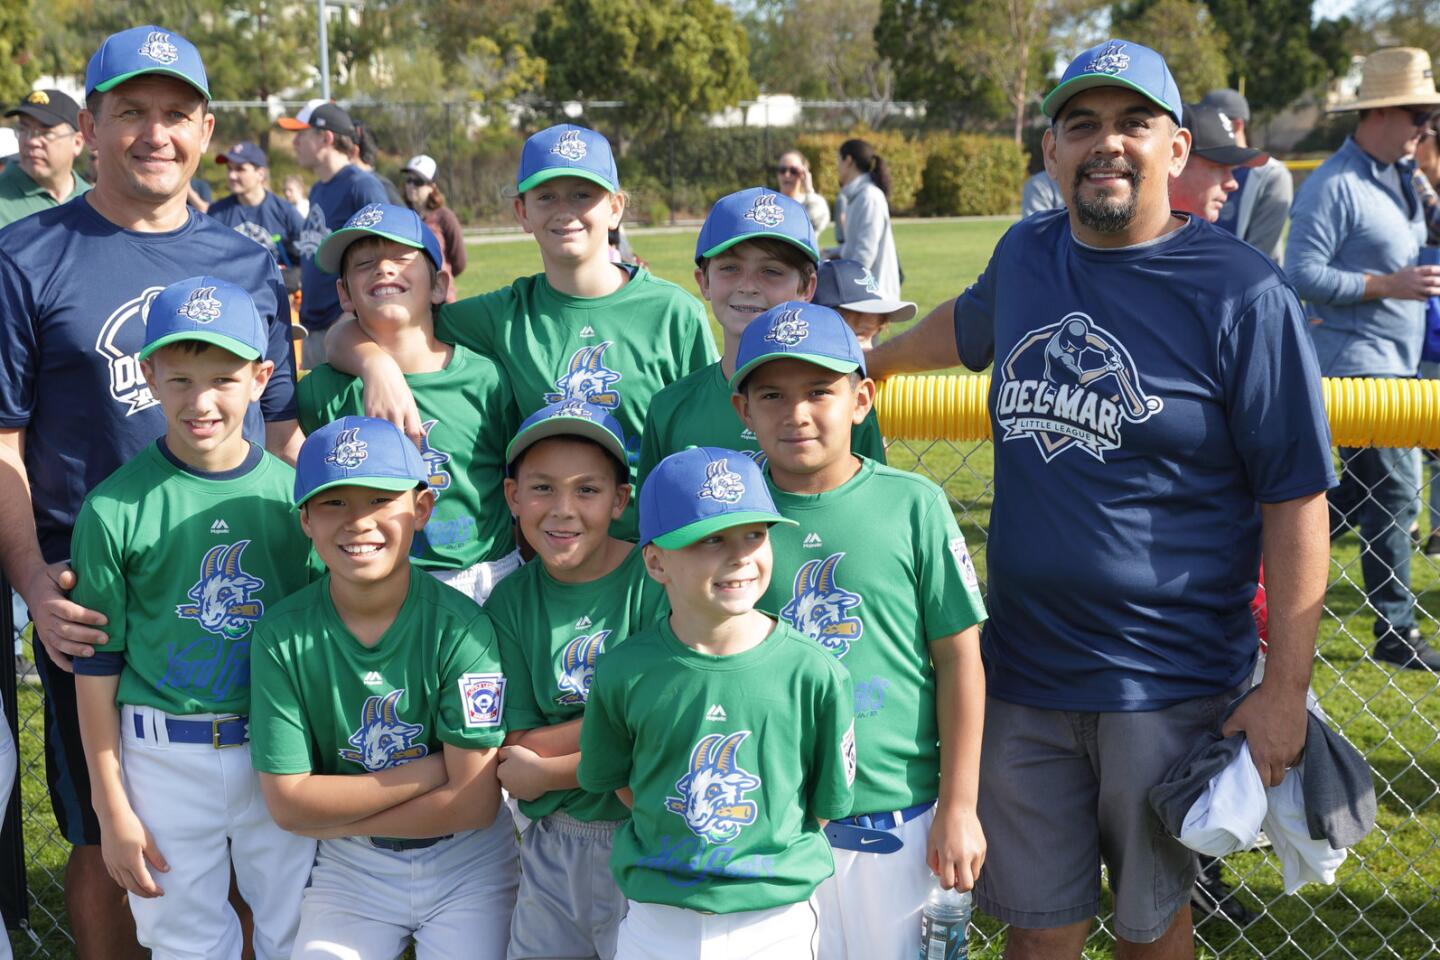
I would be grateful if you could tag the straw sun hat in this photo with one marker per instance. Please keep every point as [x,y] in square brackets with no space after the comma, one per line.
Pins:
[1394,77]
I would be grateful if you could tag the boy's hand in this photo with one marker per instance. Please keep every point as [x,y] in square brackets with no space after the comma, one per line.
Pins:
[522,772]
[128,847]
[388,397]
[956,847]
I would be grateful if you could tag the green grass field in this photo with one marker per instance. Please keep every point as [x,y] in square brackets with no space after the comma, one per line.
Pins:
[1386,902]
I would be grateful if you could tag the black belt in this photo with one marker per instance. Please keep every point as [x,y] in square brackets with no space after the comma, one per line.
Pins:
[397,845]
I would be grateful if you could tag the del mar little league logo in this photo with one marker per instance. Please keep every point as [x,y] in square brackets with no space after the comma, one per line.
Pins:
[200,306]
[765,211]
[712,792]
[1071,384]
[788,329]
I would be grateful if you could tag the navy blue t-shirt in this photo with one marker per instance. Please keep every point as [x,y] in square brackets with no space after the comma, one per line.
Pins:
[74,291]
[331,203]
[270,218]
[1144,403]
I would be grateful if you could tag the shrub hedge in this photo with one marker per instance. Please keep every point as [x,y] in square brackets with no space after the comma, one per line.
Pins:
[969,175]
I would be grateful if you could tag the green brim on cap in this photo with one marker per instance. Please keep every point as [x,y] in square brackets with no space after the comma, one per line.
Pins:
[1089,81]
[720,248]
[392,484]
[238,347]
[564,426]
[114,82]
[700,529]
[829,363]
[332,252]
[550,173]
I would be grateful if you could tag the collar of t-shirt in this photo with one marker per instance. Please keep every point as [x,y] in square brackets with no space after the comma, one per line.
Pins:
[251,461]
[1143,244]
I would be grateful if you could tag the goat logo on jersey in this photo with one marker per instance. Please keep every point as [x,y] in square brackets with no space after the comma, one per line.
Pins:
[254,231]
[157,47]
[721,484]
[788,329]
[367,216]
[820,607]
[383,739]
[712,793]
[577,667]
[1071,383]
[435,460]
[588,380]
[224,596]
[570,146]
[765,211]
[349,451]
[200,306]
[1112,60]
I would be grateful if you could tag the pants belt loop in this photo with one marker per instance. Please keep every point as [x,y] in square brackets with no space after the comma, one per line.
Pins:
[899,818]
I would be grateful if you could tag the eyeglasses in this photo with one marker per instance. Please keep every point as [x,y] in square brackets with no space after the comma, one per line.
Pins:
[788,171]
[48,134]
[415,182]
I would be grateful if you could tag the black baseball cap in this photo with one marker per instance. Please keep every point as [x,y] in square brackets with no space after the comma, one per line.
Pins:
[50,107]
[1229,102]
[1213,138]
[322,115]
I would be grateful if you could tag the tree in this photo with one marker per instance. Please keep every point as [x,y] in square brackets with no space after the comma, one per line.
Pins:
[1185,34]
[1277,52]
[671,62]
[18,67]
[927,43]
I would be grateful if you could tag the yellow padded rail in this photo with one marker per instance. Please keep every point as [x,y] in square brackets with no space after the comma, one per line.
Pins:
[1380,412]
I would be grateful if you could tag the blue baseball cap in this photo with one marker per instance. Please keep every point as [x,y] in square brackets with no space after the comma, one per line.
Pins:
[244,152]
[400,224]
[359,451]
[694,493]
[850,284]
[569,418]
[749,214]
[1118,63]
[800,331]
[567,150]
[141,50]
[207,309]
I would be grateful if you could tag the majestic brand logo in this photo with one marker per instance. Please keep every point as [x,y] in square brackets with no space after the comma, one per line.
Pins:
[716,714]
[224,596]
[812,541]
[219,526]
[587,331]
[383,740]
[1071,383]
[721,485]
[712,792]
[820,608]
[577,667]
[373,679]
[587,379]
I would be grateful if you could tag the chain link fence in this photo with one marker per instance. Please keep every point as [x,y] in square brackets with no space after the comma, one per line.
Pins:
[1386,900]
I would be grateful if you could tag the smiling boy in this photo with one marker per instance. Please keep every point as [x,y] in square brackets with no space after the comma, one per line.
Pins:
[183,549]
[391,277]
[377,719]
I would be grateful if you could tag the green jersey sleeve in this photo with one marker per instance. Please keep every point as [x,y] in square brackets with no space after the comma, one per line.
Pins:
[651,443]
[606,743]
[833,784]
[700,352]
[947,588]
[321,396]
[472,322]
[279,739]
[99,575]
[866,439]
[472,688]
[522,708]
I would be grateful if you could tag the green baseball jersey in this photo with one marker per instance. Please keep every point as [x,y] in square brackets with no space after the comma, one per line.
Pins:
[732,761]
[325,703]
[551,635]
[468,414]
[696,412]
[184,566]
[875,571]
[615,351]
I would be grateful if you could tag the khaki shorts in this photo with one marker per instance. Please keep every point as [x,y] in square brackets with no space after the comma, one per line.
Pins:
[1061,791]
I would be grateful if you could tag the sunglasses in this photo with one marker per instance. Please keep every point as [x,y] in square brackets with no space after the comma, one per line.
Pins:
[788,171]
[1420,118]
[415,182]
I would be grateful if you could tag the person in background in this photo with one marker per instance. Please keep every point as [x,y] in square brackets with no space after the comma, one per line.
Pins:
[422,194]
[1039,194]
[1425,177]
[1207,185]
[793,172]
[1261,204]
[294,192]
[864,227]
[256,212]
[363,155]
[48,142]
[200,195]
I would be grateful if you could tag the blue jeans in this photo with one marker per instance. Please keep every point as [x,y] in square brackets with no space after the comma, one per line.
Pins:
[1380,491]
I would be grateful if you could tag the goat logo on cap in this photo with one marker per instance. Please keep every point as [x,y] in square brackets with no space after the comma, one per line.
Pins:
[157,47]
[200,306]
[766,212]
[570,146]
[1112,60]
[349,450]
[788,329]
[367,217]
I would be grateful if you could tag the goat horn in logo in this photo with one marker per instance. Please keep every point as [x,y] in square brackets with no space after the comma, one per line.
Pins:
[211,564]
[232,559]
[700,759]
[387,708]
[725,753]
[825,575]
[371,711]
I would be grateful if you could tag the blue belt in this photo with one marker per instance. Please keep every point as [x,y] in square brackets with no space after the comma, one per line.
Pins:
[871,832]
[227,731]
[398,845]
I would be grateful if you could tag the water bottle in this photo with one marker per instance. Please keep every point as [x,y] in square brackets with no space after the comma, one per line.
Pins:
[944,926]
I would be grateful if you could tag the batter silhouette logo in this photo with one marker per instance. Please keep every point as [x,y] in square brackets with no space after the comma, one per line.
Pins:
[1071,384]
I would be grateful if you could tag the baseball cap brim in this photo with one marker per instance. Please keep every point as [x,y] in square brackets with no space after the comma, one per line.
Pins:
[724,245]
[700,529]
[238,347]
[332,252]
[48,117]
[291,123]
[880,305]
[550,173]
[114,82]
[1089,81]
[1233,156]
[829,363]
[392,484]
[564,426]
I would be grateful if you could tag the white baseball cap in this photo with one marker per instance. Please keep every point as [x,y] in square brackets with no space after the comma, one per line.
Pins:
[422,166]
